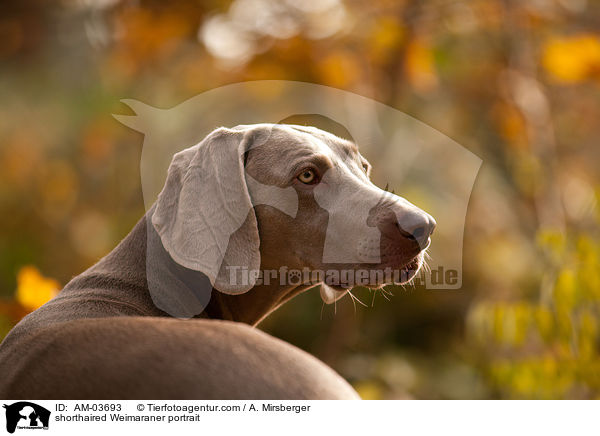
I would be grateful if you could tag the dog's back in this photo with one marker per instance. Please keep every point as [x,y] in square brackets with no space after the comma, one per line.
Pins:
[147,357]
[102,338]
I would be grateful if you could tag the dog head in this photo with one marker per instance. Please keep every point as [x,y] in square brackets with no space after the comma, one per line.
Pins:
[344,222]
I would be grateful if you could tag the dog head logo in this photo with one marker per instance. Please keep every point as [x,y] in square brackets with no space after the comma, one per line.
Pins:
[26,415]
[199,196]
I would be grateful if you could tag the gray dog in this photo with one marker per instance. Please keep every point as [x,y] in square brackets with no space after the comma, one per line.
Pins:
[252,198]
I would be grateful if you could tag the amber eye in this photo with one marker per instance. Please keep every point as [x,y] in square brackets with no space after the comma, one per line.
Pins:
[307,177]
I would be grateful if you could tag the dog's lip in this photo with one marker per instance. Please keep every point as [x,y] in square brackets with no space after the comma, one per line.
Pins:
[399,262]
[409,268]
[412,267]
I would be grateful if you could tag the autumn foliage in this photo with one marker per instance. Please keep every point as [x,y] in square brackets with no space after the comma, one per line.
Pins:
[517,83]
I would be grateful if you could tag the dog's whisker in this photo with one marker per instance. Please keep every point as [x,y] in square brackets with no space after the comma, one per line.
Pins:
[386,292]
[426,268]
[384,295]
[353,302]
[413,284]
[355,298]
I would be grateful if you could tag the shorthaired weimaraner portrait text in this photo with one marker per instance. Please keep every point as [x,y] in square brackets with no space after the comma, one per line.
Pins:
[247,219]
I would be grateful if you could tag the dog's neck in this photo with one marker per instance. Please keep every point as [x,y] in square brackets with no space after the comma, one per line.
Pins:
[139,262]
[253,306]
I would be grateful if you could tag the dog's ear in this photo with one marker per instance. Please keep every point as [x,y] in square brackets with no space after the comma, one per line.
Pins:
[205,207]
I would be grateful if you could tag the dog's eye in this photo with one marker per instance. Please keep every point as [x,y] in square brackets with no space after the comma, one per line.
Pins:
[307,177]
[366,168]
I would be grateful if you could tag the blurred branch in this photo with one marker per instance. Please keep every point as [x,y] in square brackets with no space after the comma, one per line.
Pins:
[529,95]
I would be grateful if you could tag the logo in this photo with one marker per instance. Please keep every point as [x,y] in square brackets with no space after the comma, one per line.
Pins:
[26,415]
[349,236]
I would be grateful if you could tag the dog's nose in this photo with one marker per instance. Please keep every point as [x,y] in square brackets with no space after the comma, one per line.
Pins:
[419,225]
[403,221]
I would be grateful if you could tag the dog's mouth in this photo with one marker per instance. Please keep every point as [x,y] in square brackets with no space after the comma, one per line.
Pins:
[388,272]
[404,274]
[331,292]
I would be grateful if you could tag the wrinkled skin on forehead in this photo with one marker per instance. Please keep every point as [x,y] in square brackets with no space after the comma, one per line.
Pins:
[344,222]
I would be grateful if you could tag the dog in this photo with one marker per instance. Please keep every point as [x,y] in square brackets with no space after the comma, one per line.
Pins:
[251,198]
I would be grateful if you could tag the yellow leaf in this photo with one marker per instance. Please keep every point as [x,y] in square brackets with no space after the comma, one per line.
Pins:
[419,64]
[572,59]
[552,240]
[340,69]
[524,381]
[387,35]
[565,291]
[33,289]
[544,322]
[498,322]
[523,315]
[511,124]
[369,390]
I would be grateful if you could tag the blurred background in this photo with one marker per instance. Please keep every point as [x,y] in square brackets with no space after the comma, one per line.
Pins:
[516,83]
